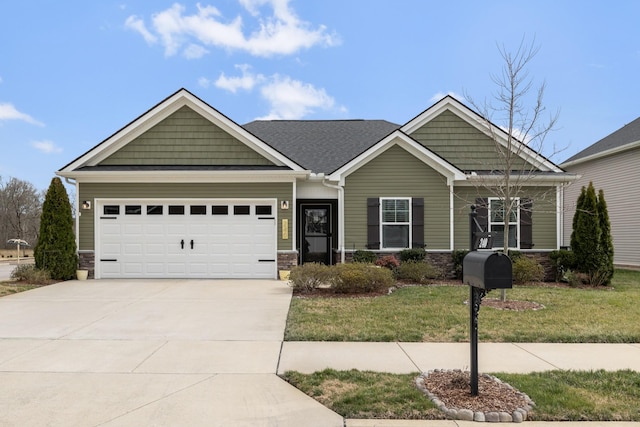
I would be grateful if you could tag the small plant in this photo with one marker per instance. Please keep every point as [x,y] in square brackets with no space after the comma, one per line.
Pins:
[29,273]
[414,254]
[563,261]
[309,276]
[527,269]
[418,272]
[388,261]
[360,278]
[457,258]
[366,257]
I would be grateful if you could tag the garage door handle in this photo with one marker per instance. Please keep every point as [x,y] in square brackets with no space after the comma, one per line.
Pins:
[192,244]
[182,244]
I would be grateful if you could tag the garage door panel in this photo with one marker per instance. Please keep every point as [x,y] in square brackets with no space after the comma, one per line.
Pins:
[159,245]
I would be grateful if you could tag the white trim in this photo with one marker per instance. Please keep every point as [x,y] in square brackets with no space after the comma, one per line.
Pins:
[451,218]
[407,223]
[532,180]
[407,143]
[508,224]
[559,216]
[184,176]
[163,110]
[448,103]
[601,154]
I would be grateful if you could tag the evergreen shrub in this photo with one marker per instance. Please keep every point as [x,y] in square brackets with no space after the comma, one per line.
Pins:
[413,254]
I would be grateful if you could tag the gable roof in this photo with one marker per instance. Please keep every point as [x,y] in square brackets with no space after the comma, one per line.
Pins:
[409,144]
[92,158]
[624,138]
[449,103]
[321,146]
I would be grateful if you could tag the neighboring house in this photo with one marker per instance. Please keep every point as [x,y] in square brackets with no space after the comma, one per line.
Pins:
[612,165]
[184,191]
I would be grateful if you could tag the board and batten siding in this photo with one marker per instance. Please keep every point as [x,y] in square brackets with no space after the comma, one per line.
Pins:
[397,173]
[619,178]
[137,191]
[185,138]
[543,215]
[461,144]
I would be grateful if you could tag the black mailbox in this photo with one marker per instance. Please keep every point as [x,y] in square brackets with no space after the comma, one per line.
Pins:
[487,270]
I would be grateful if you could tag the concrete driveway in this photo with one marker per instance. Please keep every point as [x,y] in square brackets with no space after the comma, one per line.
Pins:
[149,352]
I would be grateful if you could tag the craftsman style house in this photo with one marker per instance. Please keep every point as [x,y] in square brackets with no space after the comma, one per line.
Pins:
[184,191]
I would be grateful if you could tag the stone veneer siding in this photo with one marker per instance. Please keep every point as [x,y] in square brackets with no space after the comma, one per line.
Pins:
[287,260]
[87,261]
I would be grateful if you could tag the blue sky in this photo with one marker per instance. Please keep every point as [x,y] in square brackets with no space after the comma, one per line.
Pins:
[72,73]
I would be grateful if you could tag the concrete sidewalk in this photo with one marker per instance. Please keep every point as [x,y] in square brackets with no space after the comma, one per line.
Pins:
[402,358]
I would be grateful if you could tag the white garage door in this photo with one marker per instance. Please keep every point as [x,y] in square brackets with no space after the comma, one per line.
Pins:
[186,238]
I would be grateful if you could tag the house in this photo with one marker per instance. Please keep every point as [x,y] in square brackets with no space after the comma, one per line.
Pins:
[184,191]
[612,165]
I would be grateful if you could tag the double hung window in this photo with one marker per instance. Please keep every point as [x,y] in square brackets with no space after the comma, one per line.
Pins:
[497,222]
[395,222]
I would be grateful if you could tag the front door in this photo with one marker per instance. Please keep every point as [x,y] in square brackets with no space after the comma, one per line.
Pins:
[316,233]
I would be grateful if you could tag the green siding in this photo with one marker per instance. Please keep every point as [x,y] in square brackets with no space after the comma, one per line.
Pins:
[91,191]
[461,144]
[397,173]
[185,138]
[543,215]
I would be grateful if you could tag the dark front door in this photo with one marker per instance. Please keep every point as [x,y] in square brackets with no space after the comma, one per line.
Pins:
[316,233]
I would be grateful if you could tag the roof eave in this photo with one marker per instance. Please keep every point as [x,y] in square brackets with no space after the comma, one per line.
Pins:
[601,154]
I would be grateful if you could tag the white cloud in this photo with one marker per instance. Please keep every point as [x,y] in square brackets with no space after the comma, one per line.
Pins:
[136,24]
[280,33]
[439,95]
[195,51]
[246,81]
[46,147]
[204,82]
[9,112]
[292,99]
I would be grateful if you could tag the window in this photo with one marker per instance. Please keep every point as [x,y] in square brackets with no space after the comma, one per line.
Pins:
[133,210]
[198,210]
[176,210]
[154,209]
[242,210]
[497,222]
[395,223]
[111,210]
[263,210]
[219,210]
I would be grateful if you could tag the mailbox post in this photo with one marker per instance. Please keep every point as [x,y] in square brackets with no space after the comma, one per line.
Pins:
[482,271]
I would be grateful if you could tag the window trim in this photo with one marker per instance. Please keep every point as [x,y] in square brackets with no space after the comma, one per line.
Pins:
[408,224]
[516,209]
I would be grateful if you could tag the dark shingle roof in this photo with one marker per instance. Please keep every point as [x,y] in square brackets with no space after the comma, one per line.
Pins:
[627,134]
[321,145]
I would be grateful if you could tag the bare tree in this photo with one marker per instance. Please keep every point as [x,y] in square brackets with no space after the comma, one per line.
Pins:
[20,208]
[518,138]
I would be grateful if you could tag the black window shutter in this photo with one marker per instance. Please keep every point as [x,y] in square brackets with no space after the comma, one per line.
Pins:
[417,222]
[526,224]
[482,209]
[373,223]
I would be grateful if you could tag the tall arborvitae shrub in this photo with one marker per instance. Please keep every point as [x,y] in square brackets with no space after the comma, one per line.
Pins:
[591,240]
[56,248]
[606,241]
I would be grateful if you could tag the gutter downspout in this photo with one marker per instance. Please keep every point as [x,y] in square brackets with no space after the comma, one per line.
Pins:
[340,216]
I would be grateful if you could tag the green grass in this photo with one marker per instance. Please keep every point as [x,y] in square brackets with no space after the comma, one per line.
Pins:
[559,395]
[438,314]
[10,288]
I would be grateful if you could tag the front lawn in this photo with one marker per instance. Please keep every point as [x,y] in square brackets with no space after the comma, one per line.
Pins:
[439,314]
[559,395]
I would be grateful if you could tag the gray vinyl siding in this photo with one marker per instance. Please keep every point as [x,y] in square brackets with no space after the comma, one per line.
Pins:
[617,175]
[91,191]
[461,144]
[185,138]
[543,216]
[397,173]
